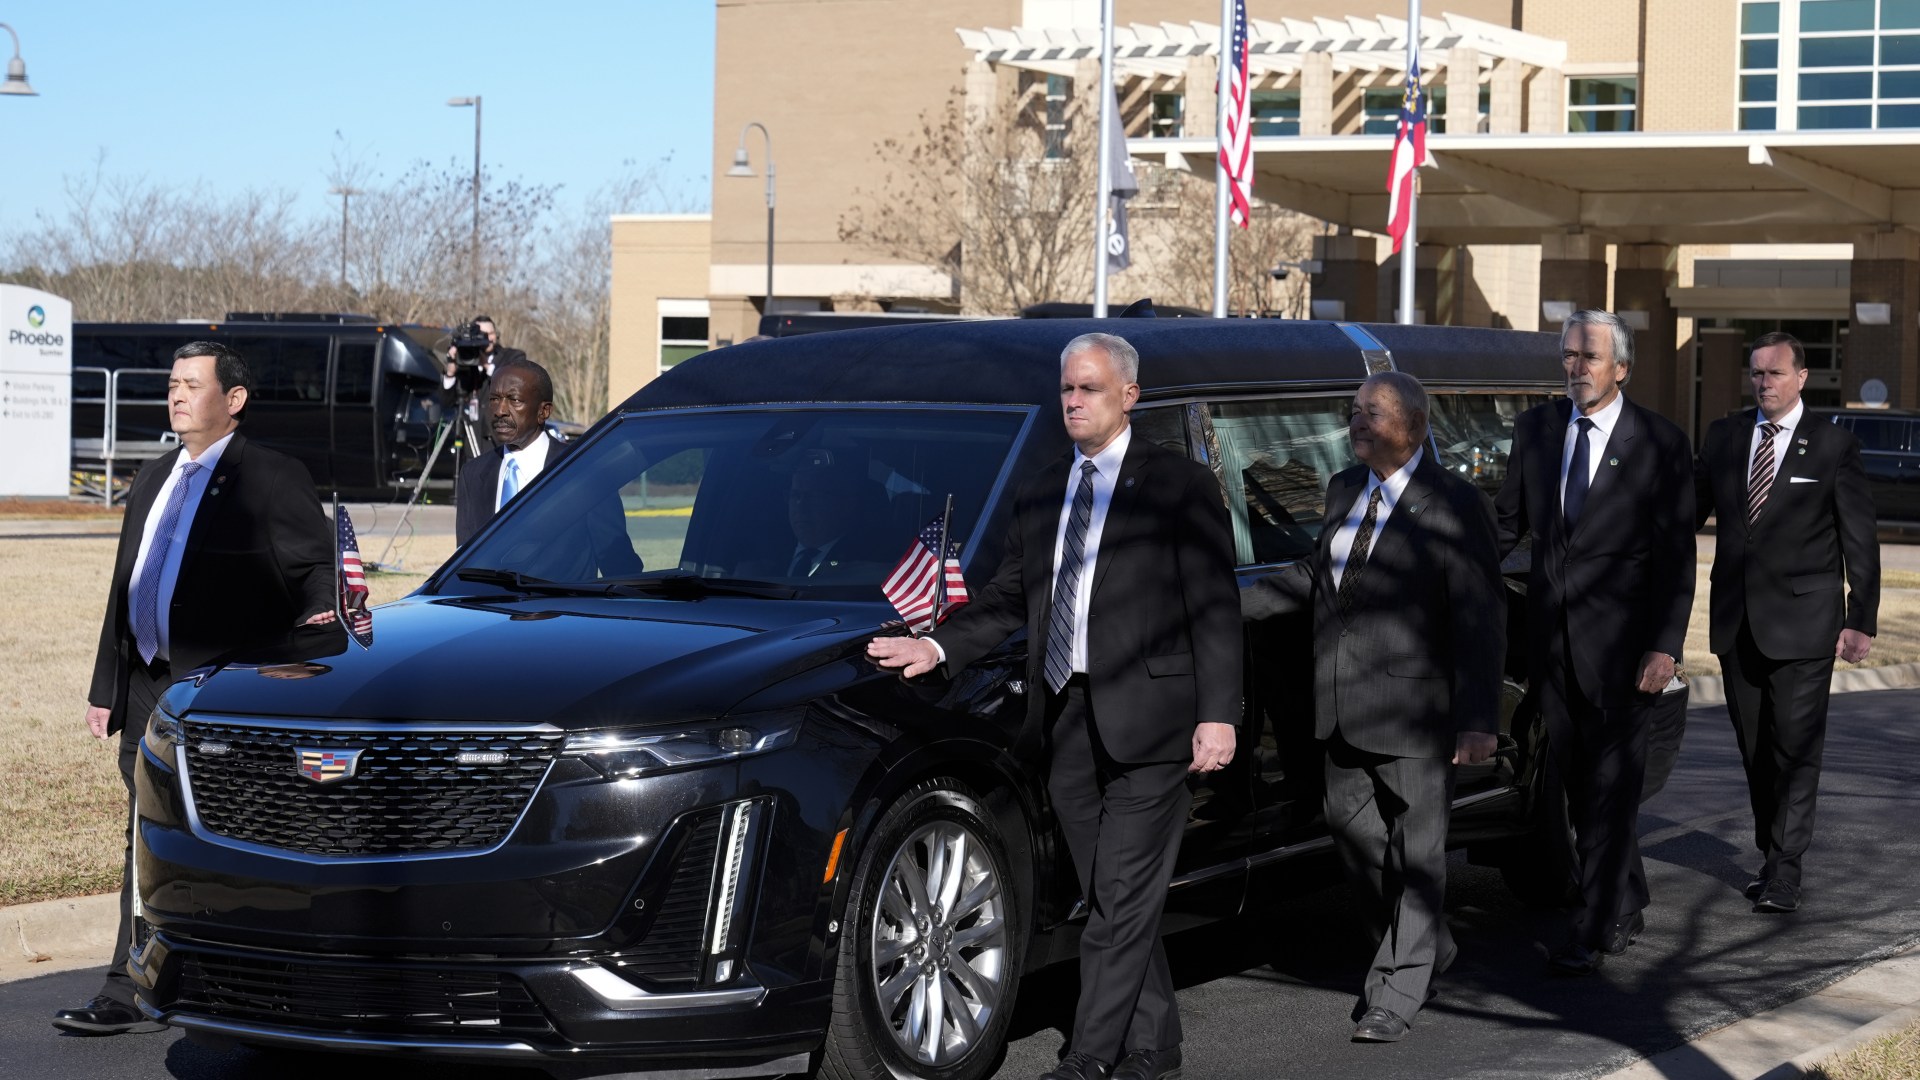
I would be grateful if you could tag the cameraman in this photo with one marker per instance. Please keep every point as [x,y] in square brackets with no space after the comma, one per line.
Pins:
[490,357]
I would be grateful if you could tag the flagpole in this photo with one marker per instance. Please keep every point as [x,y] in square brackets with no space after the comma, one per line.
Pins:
[1410,243]
[1104,193]
[940,563]
[339,572]
[1221,179]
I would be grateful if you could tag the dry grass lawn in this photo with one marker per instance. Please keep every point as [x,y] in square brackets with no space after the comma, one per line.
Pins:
[1890,1057]
[61,799]
[60,818]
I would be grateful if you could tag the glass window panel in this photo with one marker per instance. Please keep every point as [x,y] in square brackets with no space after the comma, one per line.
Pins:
[1169,110]
[1836,116]
[1759,87]
[1764,53]
[1758,119]
[1900,116]
[353,372]
[1900,84]
[1275,460]
[1836,52]
[1898,49]
[1817,16]
[1836,87]
[1899,14]
[673,354]
[683,328]
[1611,90]
[1275,112]
[1580,121]
[1761,18]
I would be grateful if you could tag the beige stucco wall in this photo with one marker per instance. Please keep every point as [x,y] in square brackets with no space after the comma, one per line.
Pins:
[654,256]
[1596,31]
[1688,82]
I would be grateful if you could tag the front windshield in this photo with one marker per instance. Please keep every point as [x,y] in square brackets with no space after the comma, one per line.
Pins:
[821,501]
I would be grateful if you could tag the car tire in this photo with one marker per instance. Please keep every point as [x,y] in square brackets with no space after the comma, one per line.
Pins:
[1540,867]
[932,927]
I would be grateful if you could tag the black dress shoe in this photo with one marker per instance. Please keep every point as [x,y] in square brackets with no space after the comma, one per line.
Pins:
[1755,887]
[1149,1065]
[1576,959]
[105,1016]
[1077,1066]
[1379,1025]
[1623,934]
[1778,898]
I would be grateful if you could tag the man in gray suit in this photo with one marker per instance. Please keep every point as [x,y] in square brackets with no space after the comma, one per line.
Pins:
[1409,631]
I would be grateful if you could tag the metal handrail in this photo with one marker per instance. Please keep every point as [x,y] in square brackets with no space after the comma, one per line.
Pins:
[110,402]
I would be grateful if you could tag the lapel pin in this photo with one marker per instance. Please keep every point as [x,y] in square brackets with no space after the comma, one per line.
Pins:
[1129,482]
[1613,461]
[1802,440]
[1803,449]
[215,491]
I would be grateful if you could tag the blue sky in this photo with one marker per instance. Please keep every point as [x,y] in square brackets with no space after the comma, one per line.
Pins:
[250,94]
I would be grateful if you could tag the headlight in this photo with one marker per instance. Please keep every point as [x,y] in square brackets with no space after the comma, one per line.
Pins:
[164,735]
[626,754]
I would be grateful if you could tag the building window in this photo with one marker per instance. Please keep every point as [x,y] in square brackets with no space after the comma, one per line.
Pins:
[683,331]
[1169,116]
[1829,64]
[1059,89]
[1380,110]
[1437,108]
[1275,112]
[1603,103]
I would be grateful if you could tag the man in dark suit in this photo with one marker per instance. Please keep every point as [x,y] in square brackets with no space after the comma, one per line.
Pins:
[224,546]
[1119,563]
[516,404]
[1605,489]
[1795,519]
[1409,631]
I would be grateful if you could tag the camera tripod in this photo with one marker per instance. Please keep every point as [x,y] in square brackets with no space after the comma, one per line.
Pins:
[463,418]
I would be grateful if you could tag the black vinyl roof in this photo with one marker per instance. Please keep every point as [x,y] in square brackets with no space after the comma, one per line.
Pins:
[1018,361]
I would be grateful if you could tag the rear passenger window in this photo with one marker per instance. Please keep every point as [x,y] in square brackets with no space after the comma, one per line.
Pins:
[353,373]
[1275,458]
[1475,433]
[1883,435]
[286,369]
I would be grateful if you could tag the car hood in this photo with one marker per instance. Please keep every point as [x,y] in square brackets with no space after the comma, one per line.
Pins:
[572,662]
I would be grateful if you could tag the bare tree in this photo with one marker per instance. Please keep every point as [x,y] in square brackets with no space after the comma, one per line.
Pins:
[1173,248]
[993,196]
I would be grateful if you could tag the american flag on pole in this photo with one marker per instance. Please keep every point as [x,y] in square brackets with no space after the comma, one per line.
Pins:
[353,581]
[914,586]
[1409,153]
[1236,151]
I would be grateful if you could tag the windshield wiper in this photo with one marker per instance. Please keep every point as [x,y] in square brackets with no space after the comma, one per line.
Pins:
[519,582]
[681,584]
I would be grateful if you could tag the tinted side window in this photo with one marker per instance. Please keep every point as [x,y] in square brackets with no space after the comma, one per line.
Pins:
[1275,458]
[353,372]
[1882,434]
[113,351]
[1475,433]
[1164,425]
[292,369]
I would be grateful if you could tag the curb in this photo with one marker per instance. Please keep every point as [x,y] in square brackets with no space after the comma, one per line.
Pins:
[1804,1064]
[1711,689]
[57,933]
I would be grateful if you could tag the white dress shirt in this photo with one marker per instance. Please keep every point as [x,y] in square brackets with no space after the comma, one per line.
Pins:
[209,460]
[1603,422]
[1390,491]
[530,461]
[1106,470]
[1781,438]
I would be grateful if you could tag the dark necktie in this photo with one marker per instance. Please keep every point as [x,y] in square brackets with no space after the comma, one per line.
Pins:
[803,562]
[1357,558]
[145,595]
[1066,583]
[1760,477]
[1578,470]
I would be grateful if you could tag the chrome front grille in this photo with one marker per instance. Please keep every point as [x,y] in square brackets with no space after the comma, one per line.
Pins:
[412,791]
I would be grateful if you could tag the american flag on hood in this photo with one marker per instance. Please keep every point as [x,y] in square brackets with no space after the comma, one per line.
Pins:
[914,586]
[353,581]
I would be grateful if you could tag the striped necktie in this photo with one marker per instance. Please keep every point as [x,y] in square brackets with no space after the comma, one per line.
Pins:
[1066,583]
[1760,477]
[146,591]
[1357,558]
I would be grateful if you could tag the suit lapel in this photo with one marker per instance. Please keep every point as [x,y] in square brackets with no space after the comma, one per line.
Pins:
[146,491]
[1553,445]
[1135,472]
[222,488]
[1614,459]
[1803,446]
[1043,524]
[1404,519]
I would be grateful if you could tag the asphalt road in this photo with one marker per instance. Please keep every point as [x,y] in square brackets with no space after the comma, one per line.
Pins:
[1272,994]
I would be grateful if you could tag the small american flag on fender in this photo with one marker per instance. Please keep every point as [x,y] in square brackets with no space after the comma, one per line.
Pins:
[914,586]
[353,581]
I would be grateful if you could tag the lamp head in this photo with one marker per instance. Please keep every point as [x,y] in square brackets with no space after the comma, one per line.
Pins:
[17,79]
[740,165]
[462,102]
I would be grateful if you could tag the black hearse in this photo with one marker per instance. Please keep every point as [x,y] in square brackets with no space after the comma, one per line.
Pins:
[354,400]
[672,818]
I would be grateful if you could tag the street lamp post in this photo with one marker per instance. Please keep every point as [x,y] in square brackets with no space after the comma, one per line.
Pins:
[16,70]
[346,194]
[741,167]
[473,247]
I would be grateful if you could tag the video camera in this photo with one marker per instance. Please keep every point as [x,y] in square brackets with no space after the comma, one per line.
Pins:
[469,344]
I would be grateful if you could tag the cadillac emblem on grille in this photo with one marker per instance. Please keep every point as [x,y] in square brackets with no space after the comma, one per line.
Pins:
[326,766]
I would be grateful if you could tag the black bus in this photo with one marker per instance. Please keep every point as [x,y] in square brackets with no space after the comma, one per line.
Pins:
[357,402]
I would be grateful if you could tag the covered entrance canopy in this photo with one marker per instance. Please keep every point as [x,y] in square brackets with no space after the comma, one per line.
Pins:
[1636,188]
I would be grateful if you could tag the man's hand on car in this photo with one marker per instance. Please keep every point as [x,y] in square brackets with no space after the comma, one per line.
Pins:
[913,656]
